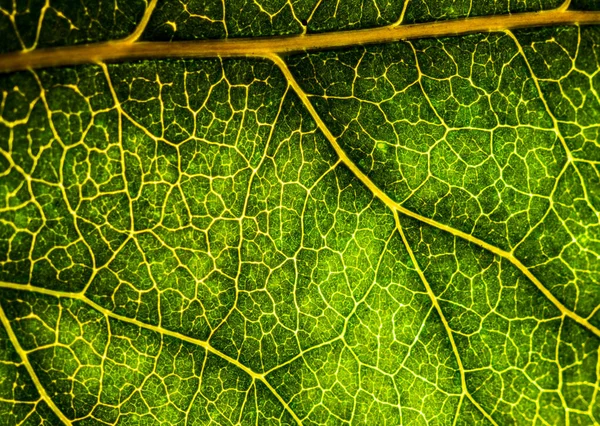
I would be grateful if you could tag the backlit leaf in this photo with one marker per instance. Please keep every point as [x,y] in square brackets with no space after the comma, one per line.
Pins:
[403,232]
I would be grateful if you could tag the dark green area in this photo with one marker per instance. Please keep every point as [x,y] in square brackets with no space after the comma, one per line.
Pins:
[29,24]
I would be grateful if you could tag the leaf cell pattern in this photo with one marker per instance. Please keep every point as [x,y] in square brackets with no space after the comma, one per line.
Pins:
[394,234]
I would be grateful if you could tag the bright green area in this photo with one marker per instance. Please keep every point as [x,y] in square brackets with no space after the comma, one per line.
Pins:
[21,403]
[197,226]
[461,131]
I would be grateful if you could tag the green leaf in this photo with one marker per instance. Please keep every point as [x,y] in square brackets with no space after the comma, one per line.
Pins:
[385,225]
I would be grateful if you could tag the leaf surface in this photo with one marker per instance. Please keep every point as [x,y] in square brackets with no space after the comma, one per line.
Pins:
[397,233]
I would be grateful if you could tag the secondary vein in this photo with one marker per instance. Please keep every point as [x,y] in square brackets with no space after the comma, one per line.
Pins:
[34,378]
[394,206]
[110,314]
[447,328]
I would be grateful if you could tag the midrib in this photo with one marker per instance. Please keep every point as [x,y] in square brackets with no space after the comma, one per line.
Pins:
[129,49]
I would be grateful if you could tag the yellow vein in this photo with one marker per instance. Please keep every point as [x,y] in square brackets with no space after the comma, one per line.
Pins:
[110,314]
[458,407]
[403,13]
[565,5]
[36,381]
[395,206]
[438,308]
[263,46]
[134,36]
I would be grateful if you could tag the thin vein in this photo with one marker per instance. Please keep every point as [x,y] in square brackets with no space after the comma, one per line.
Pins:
[36,381]
[565,5]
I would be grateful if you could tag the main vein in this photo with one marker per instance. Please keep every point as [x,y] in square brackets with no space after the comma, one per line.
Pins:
[131,49]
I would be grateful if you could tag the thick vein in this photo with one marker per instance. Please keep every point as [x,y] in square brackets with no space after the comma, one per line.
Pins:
[565,5]
[36,381]
[438,308]
[263,46]
[157,329]
[394,206]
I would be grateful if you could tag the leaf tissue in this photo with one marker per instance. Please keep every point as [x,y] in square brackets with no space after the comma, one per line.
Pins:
[316,212]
